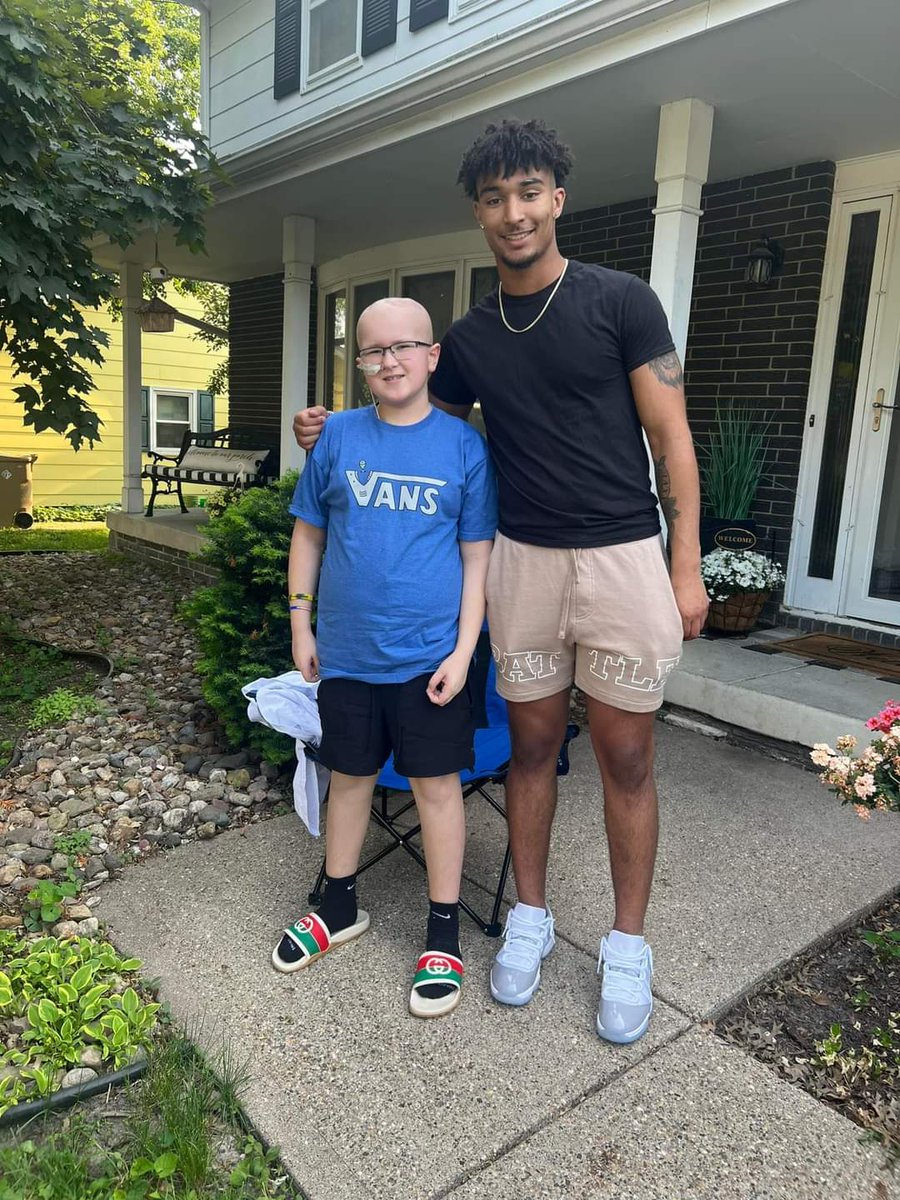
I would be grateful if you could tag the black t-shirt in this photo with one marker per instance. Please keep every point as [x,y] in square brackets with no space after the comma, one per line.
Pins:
[562,426]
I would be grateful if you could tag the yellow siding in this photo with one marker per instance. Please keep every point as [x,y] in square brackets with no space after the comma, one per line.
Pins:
[62,476]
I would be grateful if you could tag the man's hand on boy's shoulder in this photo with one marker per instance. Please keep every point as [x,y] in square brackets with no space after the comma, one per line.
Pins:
[448,679]
[308,425]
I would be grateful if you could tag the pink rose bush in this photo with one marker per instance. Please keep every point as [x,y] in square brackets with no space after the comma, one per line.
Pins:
[886,719]
[870,780]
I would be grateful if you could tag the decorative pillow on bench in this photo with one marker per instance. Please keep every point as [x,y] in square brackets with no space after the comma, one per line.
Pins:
[222,460]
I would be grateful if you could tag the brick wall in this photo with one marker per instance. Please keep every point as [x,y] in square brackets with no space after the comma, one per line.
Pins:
[746,343]
[255,328]
[168,561]
[754,344]
[618,236]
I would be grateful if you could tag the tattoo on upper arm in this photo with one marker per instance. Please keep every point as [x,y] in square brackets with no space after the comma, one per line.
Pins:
[664,488]
[667,370]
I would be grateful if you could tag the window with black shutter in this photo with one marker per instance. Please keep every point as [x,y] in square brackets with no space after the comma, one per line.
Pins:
[333,37]
[379,25]
[426,12]
[287,47]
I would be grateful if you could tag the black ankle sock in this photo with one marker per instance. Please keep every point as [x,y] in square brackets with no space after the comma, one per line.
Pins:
[337,910]
[338,907]
[443,937]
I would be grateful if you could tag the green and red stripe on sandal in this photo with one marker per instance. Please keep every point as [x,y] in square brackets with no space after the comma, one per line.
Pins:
[436,967]
[310,933]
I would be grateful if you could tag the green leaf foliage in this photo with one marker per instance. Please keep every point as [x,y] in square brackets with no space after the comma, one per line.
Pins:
[242,621]
[731,465]
[71,994]
[73,512]
[97,140]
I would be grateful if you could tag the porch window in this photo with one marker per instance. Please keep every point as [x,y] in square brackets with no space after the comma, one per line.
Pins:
[433,291]
[482,282]
[172,414]
[364,294]
[335,349]
[333,34]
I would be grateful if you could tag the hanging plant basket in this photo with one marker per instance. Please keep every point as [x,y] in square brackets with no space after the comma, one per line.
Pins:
[738,614]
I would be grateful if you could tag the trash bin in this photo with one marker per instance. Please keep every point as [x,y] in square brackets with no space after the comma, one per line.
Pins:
[15,490]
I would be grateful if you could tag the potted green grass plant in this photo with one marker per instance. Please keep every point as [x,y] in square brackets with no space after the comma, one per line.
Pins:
[731,467]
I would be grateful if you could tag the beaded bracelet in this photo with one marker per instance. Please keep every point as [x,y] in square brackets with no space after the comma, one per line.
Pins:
[301,596]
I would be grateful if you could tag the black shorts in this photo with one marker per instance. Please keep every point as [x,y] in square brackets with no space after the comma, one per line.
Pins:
[363,722]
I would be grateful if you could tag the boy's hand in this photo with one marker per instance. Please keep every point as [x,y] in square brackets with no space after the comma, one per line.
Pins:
[308,426]
[448,679]
[305,655]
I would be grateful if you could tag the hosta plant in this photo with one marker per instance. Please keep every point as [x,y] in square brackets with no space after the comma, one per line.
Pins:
[57,998]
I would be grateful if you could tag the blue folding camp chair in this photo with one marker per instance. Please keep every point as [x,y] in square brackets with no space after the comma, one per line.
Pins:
[491,765]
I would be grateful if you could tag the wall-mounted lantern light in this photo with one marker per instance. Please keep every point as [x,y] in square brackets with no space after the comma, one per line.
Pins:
[764,261]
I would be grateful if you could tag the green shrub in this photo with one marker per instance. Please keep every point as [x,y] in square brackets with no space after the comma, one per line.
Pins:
[242,621]
[61,706]
[73,512]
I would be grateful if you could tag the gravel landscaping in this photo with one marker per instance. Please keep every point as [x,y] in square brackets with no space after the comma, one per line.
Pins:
[148,772]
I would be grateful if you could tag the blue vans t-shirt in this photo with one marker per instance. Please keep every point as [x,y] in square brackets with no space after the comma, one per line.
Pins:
[396,500]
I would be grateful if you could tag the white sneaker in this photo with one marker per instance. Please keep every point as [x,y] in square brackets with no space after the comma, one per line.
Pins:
[516,971]
[626,1001]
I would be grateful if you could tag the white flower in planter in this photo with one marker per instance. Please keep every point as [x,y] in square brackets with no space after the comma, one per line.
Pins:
[728,572]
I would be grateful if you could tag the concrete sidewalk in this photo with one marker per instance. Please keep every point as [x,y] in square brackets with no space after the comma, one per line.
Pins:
[757,860]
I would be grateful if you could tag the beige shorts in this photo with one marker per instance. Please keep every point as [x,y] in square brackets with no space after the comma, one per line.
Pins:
[603,617]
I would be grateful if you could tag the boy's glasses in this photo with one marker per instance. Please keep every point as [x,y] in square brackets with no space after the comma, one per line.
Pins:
[370,359]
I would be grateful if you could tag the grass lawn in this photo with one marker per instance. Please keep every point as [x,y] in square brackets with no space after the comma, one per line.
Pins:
[61,535]
[175,1134]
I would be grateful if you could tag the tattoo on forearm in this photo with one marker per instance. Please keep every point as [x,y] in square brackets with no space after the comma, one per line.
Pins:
[667,370]
[664,489]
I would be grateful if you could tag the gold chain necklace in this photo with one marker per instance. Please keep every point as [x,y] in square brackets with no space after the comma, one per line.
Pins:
[543,310]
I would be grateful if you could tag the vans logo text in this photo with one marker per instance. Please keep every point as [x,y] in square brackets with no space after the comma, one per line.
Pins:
[401,493]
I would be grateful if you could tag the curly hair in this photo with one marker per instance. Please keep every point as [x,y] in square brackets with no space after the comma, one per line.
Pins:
[510,147]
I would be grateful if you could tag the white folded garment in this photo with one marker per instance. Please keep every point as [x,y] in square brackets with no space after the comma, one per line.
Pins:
[287,703]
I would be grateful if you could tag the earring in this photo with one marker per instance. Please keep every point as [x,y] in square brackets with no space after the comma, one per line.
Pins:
[481,227]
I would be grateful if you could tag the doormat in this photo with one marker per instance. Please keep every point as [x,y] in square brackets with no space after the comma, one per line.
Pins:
[831,651]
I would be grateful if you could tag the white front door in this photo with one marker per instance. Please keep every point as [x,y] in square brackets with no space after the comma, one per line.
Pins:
[846,553]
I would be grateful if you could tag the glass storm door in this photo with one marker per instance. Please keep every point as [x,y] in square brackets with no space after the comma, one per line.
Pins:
[848,542]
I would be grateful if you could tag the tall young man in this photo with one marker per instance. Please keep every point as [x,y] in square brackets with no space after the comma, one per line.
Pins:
[570,363]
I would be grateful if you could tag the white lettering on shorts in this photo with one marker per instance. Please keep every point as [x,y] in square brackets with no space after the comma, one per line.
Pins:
[521,666]
[628,672]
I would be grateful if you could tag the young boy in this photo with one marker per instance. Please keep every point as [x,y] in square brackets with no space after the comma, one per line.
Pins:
[407,498]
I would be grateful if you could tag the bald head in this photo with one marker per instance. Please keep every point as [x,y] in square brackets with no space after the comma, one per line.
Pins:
[394,319]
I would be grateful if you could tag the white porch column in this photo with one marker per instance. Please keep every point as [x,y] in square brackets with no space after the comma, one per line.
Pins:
[130,281]
[298,252]
[682,165]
